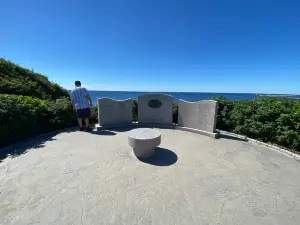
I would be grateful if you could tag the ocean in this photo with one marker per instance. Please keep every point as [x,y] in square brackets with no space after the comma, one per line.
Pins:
[188,96]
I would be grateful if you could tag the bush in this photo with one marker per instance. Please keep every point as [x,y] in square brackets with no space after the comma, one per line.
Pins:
[94,114]
[17,80]
[134,110]
[223,117]
[22,117]
[269,120]
[175,112]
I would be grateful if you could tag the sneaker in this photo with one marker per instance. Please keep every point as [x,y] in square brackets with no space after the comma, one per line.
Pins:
[87,129]
[81,128]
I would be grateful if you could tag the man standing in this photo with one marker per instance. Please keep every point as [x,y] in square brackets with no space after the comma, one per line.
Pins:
[82,102]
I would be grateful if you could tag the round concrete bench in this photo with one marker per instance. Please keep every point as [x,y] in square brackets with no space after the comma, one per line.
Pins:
[143,141]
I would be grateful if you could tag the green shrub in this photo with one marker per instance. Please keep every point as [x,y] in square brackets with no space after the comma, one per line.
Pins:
[60,113]
[134,110]
[175,112]
[269,120]
[22,117]
[94,114]
[17,80]
[223,117]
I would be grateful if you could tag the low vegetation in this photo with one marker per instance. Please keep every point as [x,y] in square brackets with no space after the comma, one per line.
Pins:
[15,79]
[30,104]
[268,120]
[22,117]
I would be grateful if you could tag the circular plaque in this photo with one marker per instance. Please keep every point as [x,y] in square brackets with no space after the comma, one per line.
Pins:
[154,103]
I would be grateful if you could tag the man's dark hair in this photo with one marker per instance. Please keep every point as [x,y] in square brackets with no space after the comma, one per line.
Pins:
[77,83]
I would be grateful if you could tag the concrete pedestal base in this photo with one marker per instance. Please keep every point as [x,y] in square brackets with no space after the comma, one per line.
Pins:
[143,141]
[143,153]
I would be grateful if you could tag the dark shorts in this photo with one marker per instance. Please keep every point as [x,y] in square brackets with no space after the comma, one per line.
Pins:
[83,113]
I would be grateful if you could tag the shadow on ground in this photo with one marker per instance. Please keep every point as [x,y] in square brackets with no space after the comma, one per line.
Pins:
[121,129]
[102,132]
[161,157]
[224,136]
[38,142]
[22,147]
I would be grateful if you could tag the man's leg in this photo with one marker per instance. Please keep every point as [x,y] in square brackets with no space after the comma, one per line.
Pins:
[79,118]
[80,122]
[87,123]
[87,114]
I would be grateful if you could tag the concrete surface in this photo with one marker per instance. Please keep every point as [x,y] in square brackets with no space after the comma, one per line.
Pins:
[94,178]
[143,141]
[201,115]
[162,114]
[112,112]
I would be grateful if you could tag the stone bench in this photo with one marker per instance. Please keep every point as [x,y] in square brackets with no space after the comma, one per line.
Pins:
[143,141]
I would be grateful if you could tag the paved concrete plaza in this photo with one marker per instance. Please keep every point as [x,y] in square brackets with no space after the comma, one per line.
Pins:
[94,178]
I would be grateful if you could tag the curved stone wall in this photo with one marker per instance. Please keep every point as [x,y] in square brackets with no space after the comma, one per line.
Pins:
[114,112]
[155,109]
[201,115]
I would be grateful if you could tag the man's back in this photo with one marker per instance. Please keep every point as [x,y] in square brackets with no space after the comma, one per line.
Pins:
[79,97]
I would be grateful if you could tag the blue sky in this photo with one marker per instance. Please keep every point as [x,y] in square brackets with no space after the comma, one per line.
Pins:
[245,46]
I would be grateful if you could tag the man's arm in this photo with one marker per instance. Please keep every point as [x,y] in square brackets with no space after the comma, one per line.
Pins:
[89,99]
[88,96]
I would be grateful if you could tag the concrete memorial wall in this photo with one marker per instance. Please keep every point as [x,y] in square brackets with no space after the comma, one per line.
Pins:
[201,115]
[114,112]
[155,109]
